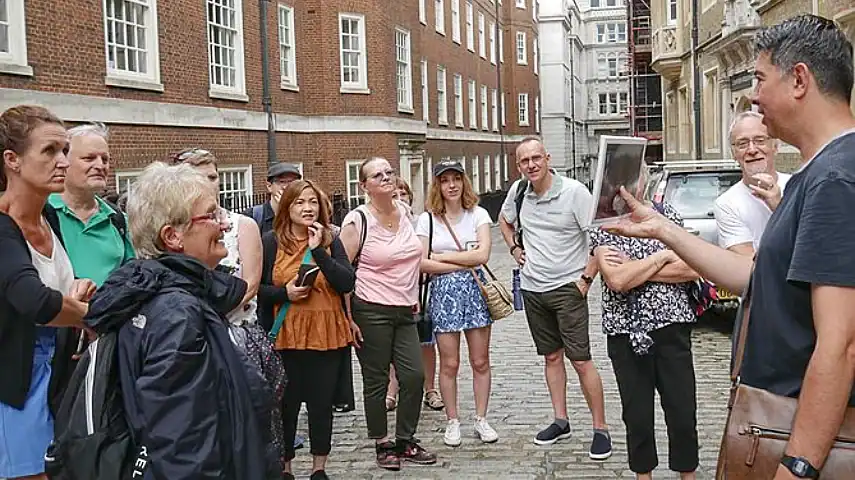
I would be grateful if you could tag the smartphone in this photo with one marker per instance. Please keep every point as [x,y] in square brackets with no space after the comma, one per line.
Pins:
[307,274]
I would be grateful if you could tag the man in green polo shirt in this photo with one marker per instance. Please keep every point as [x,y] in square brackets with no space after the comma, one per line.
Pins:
[90,226]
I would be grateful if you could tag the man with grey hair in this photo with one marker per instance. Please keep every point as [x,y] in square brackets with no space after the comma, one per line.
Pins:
[801,334]
[94,231]
[742,212]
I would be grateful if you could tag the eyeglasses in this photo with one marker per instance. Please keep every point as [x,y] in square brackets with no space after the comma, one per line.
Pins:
[758,141]
[219,215]
[524,162]
[381,175]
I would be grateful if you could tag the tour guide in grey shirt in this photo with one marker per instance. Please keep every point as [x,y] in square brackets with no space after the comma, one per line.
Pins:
[801,332]
[555,282]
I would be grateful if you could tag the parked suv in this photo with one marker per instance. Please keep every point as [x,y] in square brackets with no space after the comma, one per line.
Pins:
[692,187]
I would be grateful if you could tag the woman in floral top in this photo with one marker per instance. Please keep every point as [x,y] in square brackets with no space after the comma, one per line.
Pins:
[647,319]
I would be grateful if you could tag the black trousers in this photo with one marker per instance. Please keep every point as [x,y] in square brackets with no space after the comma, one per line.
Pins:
[312,378]
[344,388]
[668,368]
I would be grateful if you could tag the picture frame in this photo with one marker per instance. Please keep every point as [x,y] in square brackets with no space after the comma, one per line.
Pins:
[620,163]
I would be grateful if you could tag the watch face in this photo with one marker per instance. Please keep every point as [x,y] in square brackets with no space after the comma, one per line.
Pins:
[800,467]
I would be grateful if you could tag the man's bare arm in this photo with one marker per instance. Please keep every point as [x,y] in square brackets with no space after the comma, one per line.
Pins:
[746,249]
[507,230]
[828,381]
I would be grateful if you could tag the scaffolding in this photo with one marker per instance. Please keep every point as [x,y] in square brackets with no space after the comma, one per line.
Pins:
[645,87]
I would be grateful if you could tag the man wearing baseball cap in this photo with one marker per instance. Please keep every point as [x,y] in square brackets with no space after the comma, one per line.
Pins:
[278,177]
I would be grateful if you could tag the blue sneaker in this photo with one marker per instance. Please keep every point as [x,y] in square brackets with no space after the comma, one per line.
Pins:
[601,446]
[552,434]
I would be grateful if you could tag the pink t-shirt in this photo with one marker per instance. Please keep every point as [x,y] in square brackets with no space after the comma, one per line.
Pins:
[388,271]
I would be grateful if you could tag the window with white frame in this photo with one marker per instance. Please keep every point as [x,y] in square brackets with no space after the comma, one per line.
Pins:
[608,103]
[488,181]
[473,113]
[422,12]
[520,3]
[522,54]
[534,56]
[130,30]
[354,66]
[534,8]
[507,169]
[470,27]
[484,119]
[672,12]
[494,109]
[458,100]
[355,197]
[501,45]
[604,3]
[537,114]
[624,103]
[476,169]
[287,56]
[13,38]
[404,68]
[235,183]
[482,39]
[492,43]
[497,171]
[441,97]
[425,108]
[455,21]
[522,109]
[440,16]
[622,69]
[225,47]
[124,180]
[504,112]
[611,32]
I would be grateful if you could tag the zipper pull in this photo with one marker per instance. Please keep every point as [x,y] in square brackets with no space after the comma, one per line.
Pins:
[755,445]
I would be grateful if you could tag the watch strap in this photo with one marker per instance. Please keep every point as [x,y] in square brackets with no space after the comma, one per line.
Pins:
[799,467]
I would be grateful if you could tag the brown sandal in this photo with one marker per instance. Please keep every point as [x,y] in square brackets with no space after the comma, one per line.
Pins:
[434,400]
[391,403]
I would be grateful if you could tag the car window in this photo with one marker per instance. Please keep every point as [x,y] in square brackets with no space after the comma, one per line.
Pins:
[693,194]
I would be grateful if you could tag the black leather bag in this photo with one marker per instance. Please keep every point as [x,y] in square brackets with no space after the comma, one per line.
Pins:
[423,322]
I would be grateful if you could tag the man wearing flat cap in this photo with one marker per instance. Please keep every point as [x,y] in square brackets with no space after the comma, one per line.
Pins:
[278,177]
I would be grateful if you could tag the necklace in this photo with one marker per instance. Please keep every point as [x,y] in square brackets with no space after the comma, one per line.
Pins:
[380,214]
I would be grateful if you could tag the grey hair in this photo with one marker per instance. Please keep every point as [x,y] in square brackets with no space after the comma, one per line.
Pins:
[362,176]
[739,118]
[162,195]
[94,128]
[817,42]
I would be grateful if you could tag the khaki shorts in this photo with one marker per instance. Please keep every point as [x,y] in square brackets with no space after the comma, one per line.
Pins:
[558,319]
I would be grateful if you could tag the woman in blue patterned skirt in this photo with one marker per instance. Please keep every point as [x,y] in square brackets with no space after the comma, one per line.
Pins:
[456,234]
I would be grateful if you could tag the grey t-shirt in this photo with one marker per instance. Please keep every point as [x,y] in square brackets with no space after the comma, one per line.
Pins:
[556,245]
[809,240]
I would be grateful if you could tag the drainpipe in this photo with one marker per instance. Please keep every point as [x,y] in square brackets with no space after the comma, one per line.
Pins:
[265,83]
[501,94]
[696,78]
[572,107]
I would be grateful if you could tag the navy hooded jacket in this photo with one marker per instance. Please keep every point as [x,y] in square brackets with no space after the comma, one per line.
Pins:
[193,400]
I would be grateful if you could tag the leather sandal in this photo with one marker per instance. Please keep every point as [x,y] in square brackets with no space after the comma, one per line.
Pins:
[433,400]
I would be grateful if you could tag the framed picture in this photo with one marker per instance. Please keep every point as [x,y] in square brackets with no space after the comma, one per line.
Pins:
[620,163]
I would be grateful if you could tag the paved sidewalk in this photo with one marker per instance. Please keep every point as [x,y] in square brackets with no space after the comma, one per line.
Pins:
[520,406]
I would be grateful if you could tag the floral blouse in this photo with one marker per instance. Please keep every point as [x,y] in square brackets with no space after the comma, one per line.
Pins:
[649,306]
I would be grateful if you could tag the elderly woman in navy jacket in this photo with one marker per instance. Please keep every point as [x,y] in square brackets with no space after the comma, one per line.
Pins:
[191,398]
[37,286]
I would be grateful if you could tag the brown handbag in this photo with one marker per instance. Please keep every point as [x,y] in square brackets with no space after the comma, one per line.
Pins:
[759,424]
[499,301]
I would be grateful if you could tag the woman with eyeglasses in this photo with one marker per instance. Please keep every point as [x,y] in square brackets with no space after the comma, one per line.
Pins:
[385,298]
[305,309]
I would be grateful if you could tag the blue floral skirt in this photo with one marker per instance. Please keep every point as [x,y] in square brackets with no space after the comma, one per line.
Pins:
[456,303]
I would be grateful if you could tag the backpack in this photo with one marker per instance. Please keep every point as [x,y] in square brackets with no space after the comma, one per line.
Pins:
[93,440]
[258,214]
[117,218]
[518,201]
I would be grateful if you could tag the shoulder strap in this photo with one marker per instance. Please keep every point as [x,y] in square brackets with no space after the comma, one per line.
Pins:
[258,214]
[522,186]
[460,247]
[362,235]
[52,219]
[742,334]
[117,218]
[283,310]
[424,279]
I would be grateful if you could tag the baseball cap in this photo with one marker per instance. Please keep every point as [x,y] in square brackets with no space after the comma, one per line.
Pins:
[283,169]
[447,165]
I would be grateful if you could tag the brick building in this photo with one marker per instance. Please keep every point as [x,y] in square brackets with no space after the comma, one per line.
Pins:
[725,62]
[414,81]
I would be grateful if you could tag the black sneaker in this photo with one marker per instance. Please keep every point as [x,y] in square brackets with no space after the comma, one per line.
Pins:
[288,476]
[319,475]
[387,456]
[552,434]
[414,453]
[601,447]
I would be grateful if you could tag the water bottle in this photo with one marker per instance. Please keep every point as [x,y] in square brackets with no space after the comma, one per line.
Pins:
[518,302]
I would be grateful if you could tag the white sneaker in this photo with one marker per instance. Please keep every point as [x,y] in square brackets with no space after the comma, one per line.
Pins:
[484,431]
[452,433]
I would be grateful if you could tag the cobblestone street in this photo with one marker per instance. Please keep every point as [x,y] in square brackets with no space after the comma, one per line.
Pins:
[520,406]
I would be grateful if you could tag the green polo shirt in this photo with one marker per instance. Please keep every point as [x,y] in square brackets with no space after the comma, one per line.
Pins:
[95,248]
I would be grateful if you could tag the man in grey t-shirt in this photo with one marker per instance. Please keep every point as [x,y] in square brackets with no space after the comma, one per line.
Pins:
[556,272]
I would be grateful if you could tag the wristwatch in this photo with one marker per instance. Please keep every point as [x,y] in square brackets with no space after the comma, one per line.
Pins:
[587,279]
[800,467]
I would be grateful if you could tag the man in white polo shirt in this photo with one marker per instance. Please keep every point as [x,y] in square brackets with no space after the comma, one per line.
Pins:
[555,273]
[741,213]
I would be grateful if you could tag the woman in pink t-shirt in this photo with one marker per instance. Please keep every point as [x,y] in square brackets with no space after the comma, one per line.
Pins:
[387,283]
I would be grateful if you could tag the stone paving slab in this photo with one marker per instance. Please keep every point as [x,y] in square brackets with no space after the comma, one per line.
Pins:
[519,407]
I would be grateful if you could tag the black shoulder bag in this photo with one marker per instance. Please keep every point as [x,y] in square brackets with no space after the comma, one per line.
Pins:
[423,321]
